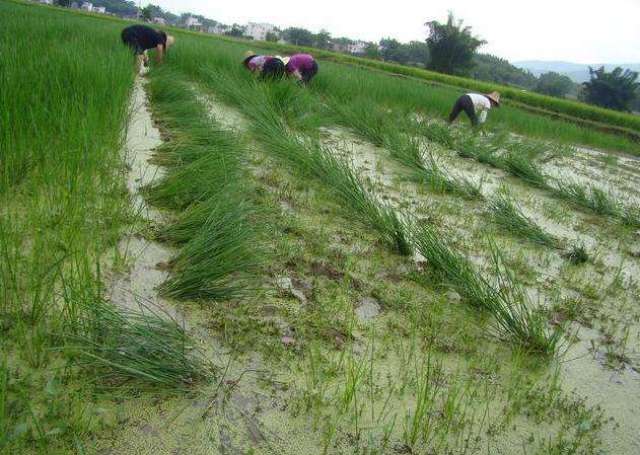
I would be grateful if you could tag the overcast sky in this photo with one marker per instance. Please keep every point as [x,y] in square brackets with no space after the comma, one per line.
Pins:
[582,31]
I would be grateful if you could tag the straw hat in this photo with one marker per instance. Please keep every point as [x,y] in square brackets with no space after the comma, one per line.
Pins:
[249,54]
[170,40]
[495,97]
[285,60]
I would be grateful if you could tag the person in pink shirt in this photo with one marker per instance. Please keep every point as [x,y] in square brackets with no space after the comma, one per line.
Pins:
[266,66]
[303,67]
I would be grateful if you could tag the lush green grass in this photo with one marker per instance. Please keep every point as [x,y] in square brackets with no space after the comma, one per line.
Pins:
[504,299]
[66,81]
[504,212]
[206,180]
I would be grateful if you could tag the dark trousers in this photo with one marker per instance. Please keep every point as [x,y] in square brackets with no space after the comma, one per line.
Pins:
[465,104]
[273,69]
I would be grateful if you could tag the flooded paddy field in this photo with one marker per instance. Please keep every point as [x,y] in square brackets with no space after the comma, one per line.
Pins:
[250,267]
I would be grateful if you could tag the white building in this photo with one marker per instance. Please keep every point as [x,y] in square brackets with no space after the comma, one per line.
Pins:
[259,31]
[357,48]
[87,6]
[192,22]
[218,29]
[100,9]
[159,20]
[46,2]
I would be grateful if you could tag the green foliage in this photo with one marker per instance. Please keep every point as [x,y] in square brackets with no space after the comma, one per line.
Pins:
[504,212]
[613,90]
[495,69]
[147,13]
[554,84]
[119,7]
[298,36]
[272,37]
[322,39]
[372,51]
[413,53]
[236,30]
[394,51]
[452,46]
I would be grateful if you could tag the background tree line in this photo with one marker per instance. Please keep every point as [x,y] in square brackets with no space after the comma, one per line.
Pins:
[451,48]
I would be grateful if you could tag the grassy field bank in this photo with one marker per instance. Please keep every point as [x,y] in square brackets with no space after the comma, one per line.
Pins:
[66,83]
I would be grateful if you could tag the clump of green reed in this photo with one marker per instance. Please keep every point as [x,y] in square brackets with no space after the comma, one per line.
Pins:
[472,147]
[408,151]
[438,133]
[441,181]
[504,212]
[134,348]
[198,180]
[205,178]
[522,166]
[591,197]
[368,120]
[631,216]
[217,258]
[577,254]
[505,301]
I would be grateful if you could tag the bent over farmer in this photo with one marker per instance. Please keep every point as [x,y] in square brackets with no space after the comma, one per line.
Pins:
[141,38]
[303,67]
[476,106]
[266,66]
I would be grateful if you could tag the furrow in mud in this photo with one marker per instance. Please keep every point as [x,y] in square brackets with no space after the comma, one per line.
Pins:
[146,259]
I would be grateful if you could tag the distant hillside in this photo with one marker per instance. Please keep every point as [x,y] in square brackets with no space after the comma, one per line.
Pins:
[576,71]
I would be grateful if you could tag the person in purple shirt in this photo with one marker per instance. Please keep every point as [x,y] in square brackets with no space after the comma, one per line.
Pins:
[301,66]
[266,66]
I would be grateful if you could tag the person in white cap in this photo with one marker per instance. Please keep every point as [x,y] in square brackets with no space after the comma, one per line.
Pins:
[476,106]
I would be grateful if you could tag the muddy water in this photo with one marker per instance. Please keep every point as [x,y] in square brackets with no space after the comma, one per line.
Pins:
[617,392]
[586,373]
[145,259]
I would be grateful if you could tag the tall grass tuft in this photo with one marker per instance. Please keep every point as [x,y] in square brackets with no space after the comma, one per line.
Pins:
[219,249]
[522,166]
[504,300]
[133,348]
[217,259]
[593,198]
[443,182]
[504,212]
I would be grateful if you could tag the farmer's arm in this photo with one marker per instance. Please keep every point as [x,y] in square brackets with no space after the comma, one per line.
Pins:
[297,74]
